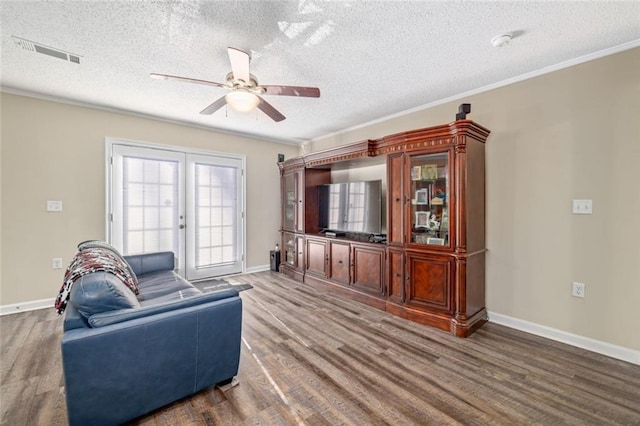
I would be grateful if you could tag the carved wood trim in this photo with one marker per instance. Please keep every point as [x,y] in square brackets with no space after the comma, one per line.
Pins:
[341,153]
[291,164]
[453,134]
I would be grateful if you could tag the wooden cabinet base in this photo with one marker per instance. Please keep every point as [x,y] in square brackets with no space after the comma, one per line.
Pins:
[443,321]
[464,328]
[351,293]
[291,273]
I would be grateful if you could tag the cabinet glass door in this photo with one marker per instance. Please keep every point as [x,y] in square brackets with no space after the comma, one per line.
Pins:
[289,207]
[290,250]
[429,192]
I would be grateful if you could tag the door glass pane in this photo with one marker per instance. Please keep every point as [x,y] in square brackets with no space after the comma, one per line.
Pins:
[290,202]
[215,203]
[430,199]
[150,210]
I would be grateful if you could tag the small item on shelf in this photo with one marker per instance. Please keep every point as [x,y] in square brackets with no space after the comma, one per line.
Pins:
[435,241]
[416,173]
[444,222]
[422,196]
[422,219]
[430,171]
[437,201]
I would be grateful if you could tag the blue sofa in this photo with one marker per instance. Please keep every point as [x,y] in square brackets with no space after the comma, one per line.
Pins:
[124,355]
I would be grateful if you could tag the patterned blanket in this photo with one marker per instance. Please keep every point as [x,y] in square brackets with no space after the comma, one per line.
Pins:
[91,260]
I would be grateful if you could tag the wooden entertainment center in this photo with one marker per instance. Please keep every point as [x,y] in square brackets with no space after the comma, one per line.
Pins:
[431,269]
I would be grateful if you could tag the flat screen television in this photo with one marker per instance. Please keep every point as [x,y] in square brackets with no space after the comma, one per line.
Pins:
[350,207]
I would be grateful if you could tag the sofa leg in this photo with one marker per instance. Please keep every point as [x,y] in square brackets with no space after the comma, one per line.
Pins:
[225,385]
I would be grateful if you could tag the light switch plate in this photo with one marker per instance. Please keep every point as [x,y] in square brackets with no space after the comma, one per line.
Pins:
[582,206]
[54,206]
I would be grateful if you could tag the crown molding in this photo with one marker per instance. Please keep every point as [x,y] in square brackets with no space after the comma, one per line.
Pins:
[61,100]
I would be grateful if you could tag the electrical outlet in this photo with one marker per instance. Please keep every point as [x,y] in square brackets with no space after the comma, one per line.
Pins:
[582,206]
[56,263]
[54,206]
[578,290]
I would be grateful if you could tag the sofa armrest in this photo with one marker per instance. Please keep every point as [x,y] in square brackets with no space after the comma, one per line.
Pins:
[113,317]
[119,372]
[151,262]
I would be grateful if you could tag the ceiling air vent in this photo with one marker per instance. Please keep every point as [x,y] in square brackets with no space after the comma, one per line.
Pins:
[46,50]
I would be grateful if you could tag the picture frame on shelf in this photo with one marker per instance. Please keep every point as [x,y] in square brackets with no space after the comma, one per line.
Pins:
[430,171]
[422,220]
[444,221]
[422,196]
[421,238]
[416,173]
[435,241]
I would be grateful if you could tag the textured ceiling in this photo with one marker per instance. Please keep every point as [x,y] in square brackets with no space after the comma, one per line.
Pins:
[369,59]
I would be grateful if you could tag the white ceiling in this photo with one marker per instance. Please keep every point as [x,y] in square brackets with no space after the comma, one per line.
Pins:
[369,59]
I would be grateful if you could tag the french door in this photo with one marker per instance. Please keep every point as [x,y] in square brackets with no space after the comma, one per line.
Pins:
[190,204]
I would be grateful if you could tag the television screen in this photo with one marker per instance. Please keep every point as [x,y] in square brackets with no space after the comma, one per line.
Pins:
[350,207]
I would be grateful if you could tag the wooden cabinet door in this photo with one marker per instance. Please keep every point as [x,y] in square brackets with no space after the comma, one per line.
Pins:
[395,199]
[396,276]
[339,262]
[316,257]
[430,281]
[368,268]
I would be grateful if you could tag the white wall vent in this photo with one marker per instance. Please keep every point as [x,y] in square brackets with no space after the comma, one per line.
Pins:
[46,50]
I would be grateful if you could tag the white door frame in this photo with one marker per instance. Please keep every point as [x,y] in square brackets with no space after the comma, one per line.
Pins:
[111,141]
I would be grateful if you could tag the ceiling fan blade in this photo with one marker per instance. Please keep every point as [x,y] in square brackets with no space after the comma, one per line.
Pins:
[309,92]
[268,109]
[185,79]
[239,64]
[215,106]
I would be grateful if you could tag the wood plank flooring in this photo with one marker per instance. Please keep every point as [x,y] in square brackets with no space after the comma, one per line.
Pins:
[312,358]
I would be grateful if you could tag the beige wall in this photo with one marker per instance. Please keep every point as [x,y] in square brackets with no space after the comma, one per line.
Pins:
[54,151]
[571,134]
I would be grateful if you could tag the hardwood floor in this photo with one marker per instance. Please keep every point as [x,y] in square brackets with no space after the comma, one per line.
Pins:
[311,358]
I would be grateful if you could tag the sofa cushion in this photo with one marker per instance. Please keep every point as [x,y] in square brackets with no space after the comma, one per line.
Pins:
[148,263]
[161,283]
[101,291]
[195,299]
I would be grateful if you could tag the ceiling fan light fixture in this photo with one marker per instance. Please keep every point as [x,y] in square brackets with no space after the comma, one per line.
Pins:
[242,101]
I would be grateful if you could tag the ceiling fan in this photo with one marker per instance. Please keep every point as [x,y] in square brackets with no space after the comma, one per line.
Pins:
[244,89]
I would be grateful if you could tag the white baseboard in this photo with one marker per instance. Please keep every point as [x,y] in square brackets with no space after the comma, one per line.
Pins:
[604,348]
[259,268]
[26,306]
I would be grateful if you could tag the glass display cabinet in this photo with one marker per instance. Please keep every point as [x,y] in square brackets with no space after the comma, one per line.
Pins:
[429,191]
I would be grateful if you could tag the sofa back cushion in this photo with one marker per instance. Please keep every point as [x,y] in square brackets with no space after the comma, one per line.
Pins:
[101,292]
[94,259]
